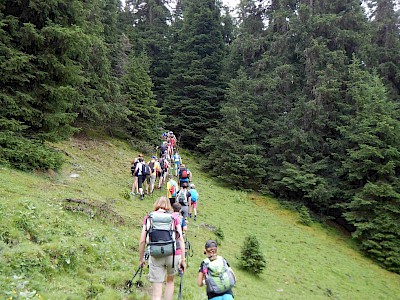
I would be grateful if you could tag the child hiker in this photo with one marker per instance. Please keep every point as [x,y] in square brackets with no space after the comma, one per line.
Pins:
[216,274]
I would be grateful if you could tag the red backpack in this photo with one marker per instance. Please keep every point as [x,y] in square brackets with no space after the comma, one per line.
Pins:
[184,173]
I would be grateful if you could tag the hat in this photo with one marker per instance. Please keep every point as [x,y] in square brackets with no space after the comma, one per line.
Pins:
[210,244]
[153,156]
[192,186]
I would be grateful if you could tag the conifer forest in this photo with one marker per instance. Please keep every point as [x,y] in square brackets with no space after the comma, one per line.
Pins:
[298,99]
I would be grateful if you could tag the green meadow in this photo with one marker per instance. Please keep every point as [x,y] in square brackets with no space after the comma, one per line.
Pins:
[64,237]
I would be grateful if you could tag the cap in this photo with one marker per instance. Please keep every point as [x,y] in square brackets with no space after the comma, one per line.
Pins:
[192,186]
[210,244]
[153,156]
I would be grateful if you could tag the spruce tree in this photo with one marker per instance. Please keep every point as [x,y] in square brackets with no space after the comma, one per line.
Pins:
[372,166]
[386,44]
[232,145]
[144,116]
[195,87]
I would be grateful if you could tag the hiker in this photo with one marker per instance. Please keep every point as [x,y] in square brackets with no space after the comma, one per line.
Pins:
[177,208]
[135,179]
[153,174]
[159,173]
[164,260]
[140,173]
[193,201]
[184,175]
[164,166]
[172,189]
[177,163]
[134,162]
[183,198]
[216,274]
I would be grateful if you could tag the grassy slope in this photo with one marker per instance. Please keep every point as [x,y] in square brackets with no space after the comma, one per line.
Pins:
[90,254]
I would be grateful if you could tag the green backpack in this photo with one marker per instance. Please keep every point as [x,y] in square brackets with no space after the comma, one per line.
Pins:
[219,277]
[161,234]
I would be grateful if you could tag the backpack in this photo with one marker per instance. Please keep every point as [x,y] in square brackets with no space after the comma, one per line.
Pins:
[140,169]
[183,173]
[172,190]
[133,167]
[182,197]
[146,169]
[163,164]
[195,195]
[151,166]
[219,277]
[161,234]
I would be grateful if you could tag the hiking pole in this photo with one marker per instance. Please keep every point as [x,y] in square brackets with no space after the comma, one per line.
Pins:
[180,284]
[139,283]
[128,284]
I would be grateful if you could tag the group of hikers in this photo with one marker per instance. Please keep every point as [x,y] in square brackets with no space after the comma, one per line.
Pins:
[162,239]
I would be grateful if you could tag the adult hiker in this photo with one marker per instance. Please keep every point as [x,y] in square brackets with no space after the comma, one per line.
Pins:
[135,188]
[163,230]
[140,172]
[164,166]
[159,173]
[216,274]
[177,162]
[193,203]
[184,175]
[153,174]
[172,189]
[183,198]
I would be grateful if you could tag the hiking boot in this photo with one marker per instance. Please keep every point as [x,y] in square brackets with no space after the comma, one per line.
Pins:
[141,196]
[195,217]
[190,215]
[132,193]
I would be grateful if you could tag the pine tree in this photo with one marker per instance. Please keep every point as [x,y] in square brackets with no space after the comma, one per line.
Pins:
[386,46]
[232,145]
[150,36]
[144,116]
[372,167]
[195,87]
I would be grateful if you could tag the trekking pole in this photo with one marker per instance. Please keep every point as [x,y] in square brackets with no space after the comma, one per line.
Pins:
[139,283]
[180,284]
[128,284]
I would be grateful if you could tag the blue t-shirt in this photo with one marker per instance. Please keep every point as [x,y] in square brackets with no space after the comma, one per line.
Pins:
[195,195]
[177,159]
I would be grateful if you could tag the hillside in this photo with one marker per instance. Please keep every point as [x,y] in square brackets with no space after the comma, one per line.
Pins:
[77,237]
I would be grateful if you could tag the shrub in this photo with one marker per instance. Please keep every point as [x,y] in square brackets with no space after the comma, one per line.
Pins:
[219,235]
[26,154]
[252,259]
[304,216]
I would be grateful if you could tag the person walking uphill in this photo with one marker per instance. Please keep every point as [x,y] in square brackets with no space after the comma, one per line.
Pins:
[162,230]
[140,172]
[216,274]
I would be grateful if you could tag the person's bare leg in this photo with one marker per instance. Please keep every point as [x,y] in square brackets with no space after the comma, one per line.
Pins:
[169,287]
[157,291]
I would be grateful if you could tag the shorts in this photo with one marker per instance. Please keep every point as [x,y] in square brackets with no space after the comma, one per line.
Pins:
[159,267]
[172,200]
[194,204]
[152,179]
[185,211]
[141,179]
[177,166]
[223,297]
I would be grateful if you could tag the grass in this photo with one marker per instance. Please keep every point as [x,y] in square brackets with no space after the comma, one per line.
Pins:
[86,247]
